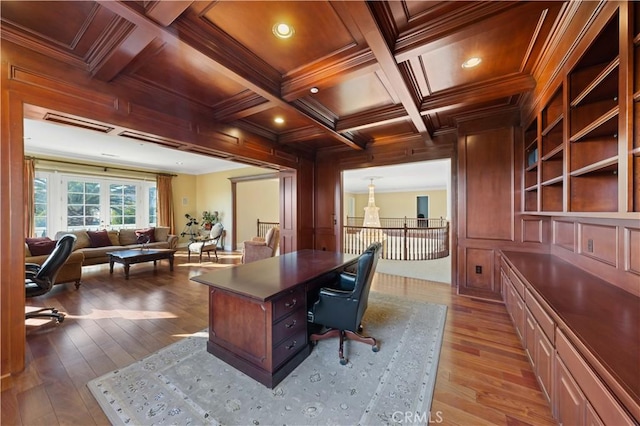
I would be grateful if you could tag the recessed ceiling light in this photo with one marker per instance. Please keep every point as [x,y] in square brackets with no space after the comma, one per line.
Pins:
[282,30]
[278,120]
[314,90]
[471,62]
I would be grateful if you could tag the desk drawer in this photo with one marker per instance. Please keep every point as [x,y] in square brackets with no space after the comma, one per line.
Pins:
[289,326]
[546,323]
[289,347]
[517,284]
[287,303]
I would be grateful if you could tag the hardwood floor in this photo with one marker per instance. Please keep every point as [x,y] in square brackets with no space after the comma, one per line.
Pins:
[483,377]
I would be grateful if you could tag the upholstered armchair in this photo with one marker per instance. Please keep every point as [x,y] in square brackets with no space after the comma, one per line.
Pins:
[341,306]
[206,243]
[261,248]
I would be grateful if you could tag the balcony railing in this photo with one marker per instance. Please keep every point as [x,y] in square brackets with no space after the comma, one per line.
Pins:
[401,238]
[263,227]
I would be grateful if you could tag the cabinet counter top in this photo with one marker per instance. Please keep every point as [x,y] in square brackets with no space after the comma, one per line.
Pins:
[604,317]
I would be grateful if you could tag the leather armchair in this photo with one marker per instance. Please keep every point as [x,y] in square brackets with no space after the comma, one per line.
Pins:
[341,306]
[261,248]
[39,279]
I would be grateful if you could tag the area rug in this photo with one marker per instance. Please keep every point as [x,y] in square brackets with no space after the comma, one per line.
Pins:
[183,384]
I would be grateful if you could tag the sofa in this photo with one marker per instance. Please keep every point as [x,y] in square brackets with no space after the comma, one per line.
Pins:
[92,247]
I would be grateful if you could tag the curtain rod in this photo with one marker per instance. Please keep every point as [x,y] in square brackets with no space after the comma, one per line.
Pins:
[104,168]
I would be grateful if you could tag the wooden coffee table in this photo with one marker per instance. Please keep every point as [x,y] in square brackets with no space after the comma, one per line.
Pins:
[129,257]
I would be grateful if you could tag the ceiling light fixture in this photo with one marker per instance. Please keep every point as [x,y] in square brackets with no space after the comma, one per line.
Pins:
[314,90]
[279,120]
[471,62]
[282,30]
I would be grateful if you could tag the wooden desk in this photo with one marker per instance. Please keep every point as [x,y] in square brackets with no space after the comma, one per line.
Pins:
[258,311]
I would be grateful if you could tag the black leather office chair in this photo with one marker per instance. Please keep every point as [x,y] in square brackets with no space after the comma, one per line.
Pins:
[39,279]
[340,308]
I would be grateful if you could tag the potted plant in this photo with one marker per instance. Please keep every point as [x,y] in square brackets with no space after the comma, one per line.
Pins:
[209,219]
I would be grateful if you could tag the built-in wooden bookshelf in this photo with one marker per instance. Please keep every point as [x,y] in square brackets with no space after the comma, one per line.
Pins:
[579,163]
[636,108]
[594,123]
[531,167]
[552,159]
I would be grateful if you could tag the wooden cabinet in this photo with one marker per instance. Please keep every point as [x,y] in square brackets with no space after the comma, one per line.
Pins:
[576,393]
[580,168]
[570,402]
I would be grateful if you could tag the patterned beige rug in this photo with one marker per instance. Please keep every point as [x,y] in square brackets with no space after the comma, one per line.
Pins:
[184,384]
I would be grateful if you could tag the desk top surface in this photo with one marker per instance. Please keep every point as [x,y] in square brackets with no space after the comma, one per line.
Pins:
[604,317]
[265,279]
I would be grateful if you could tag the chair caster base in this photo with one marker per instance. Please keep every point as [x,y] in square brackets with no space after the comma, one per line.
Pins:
[375,348]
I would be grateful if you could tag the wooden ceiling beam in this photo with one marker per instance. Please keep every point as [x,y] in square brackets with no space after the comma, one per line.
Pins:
[110,58]
[240,68]
[372,118]
[477,93]
[297,85]
[165,12]
[447,29]
[240,106]
[368,25]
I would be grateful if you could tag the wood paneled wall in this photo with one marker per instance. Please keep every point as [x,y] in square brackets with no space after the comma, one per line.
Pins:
[485,201]
[71,92]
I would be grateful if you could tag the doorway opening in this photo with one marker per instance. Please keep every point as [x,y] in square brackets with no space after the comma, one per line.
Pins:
[413,195]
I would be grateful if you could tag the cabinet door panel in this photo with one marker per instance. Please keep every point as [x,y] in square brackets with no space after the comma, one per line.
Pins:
[592,418]
[530,337]
[544,355]
[570,402]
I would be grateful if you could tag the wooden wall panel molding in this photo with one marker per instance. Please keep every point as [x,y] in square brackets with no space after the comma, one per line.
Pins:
[564,234]
[488,184]
[40,81]
[532,230]
[632,250]
[159,117]
[478,276]
[615,243]
[599,242]
[12,300]
[288,212]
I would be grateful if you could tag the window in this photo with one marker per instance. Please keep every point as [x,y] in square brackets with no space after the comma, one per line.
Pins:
[66,202]
[83,204]
[153,206]
[40,205]
[122,205]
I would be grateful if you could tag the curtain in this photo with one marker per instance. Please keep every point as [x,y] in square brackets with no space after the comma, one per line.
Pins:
[29,197]
[165,201]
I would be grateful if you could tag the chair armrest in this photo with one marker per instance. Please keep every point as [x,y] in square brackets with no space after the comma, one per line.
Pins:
[259,239]
[347,281]
[255,243]
[173,241]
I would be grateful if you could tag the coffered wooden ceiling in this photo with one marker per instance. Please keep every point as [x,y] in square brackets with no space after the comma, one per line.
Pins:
[386,72]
